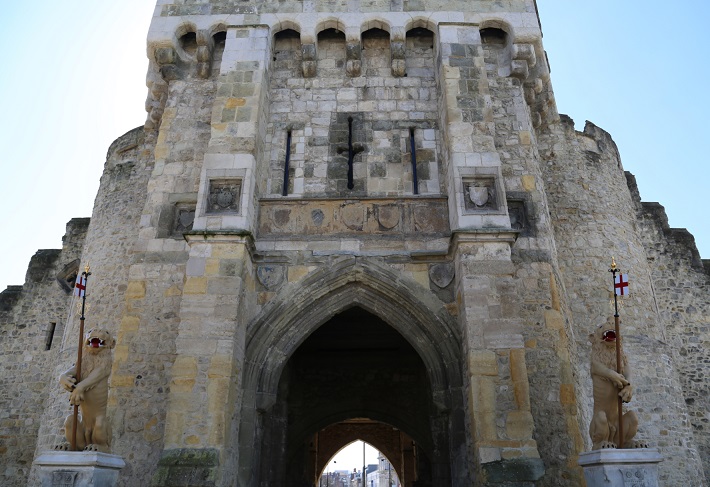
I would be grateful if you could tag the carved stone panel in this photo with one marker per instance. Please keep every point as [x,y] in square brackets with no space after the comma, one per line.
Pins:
[480,194]
[442,274]
[224,195]
[270,276]
[64,478]
[184,218]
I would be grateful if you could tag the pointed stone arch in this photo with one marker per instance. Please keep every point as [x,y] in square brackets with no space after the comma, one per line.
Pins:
[302,307]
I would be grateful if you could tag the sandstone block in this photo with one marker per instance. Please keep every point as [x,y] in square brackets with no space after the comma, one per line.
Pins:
[519,425]
[482,362]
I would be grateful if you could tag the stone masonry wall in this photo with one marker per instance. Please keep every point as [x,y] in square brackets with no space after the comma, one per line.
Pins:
[31,329]
[110,238]
[681,284]
[154,283]
[550,348]
[594,219]
[375,109]
[221,7]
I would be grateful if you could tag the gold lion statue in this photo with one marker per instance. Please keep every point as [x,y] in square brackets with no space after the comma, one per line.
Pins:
[608,386]
[93,432]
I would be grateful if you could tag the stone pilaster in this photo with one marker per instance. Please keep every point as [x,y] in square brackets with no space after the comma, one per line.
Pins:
[226,197]
[476,193]
[499,398]
[204,390]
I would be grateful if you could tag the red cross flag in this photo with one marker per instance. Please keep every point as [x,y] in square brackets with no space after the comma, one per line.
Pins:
[80,286]
[621,285]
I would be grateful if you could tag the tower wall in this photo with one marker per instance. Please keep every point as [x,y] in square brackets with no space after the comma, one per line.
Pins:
[109,242]
[680,281]
[595,218]
[32,322]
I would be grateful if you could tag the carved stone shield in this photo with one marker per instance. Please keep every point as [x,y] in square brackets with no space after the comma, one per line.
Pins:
[270,276]
[388,216]
[441,274]
[478,194]
[224,198]
[353,216]
[186,218]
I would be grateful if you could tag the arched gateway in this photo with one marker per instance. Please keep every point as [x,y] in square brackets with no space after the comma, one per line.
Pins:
[350,341]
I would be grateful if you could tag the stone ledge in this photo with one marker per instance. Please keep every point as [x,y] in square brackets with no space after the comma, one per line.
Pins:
[79,459]
[620,456]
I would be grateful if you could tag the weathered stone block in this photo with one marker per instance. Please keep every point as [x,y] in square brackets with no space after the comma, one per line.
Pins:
[482,362]
[519,425]
[514,470]
[187,467]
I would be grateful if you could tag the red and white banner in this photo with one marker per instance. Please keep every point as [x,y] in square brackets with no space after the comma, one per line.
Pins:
[80,286]
[621,285]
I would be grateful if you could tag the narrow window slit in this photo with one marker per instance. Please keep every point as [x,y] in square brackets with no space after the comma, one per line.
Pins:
[284,192]
[413,149]
[50,336]
[351,154]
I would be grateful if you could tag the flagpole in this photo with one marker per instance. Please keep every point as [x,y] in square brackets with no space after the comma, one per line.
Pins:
[85,276]
[619,364]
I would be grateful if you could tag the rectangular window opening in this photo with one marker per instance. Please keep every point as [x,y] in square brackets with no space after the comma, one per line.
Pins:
[413,150]
[50,335]
[284,191]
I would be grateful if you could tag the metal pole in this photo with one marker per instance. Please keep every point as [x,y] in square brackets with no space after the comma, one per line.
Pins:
[86,275]
[619,364]
[363,464]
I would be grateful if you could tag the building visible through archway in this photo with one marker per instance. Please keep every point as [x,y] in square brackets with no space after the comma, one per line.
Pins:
[398,452]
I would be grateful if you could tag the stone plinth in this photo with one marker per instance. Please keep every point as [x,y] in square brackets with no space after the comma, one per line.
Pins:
[621,468]
[78,469]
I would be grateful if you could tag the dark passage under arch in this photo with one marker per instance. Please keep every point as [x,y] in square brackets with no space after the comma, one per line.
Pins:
[355,371]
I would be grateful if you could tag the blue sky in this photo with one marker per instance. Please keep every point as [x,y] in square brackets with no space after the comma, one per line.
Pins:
[74,80]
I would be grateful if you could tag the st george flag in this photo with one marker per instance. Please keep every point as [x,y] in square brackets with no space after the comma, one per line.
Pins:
[621,285]
[80,286]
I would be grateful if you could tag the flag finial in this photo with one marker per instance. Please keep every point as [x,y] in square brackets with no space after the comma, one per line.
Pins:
[613,263]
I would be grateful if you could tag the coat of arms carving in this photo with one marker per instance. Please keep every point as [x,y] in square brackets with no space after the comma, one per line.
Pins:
[480,194]
[224,196]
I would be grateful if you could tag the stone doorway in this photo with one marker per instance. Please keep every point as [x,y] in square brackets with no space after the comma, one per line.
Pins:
[354,343]
[354,378]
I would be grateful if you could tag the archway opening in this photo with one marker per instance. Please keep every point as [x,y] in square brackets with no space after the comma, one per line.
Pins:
[348,464]
[355,377]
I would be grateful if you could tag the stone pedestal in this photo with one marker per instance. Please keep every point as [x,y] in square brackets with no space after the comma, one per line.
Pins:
[78,469]
[621,468]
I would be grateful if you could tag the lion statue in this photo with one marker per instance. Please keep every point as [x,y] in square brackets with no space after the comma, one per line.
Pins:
[90,393]
[608,386]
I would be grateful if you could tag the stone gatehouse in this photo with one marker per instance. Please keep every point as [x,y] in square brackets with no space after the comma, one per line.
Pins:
[361,219]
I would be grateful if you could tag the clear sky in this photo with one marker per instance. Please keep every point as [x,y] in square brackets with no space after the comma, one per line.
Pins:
[74,80]
[350,457]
